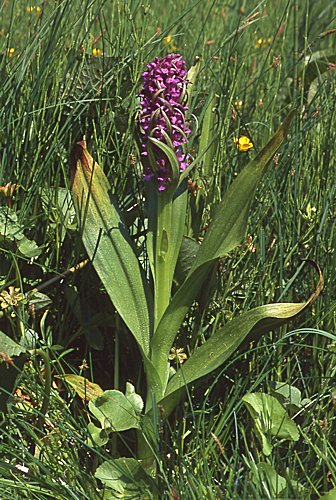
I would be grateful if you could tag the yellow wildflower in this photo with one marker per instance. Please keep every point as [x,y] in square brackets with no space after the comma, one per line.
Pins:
[177,355]
[97,52]
[11,297]
[10,51]
[168,40]
[32,8]
[239,104]
[8,191]
[243,143]
[262,43]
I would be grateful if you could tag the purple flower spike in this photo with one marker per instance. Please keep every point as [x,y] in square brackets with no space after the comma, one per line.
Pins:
[163,117]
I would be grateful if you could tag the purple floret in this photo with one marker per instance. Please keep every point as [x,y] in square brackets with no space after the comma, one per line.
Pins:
[163,111]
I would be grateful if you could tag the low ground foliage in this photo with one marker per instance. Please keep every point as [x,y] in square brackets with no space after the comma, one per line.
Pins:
[73,68]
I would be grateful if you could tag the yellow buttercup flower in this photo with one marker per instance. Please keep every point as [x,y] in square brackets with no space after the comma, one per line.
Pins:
[10,51]
[32,8]
[239,104]
[11,297]
[243,143]
[262,43]
[168,40]
[177,355]
[97,52]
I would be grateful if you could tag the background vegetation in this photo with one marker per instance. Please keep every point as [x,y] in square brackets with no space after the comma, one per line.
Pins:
[70,68]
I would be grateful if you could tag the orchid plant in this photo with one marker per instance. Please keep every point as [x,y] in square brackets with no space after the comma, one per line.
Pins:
[145,302]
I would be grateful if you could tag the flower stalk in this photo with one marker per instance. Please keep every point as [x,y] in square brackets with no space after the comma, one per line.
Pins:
[164,130]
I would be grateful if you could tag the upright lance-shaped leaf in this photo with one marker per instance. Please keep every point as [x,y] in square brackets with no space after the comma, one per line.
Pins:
[208,138]
[191,77]
[225,341]
[226,231]
[109,246]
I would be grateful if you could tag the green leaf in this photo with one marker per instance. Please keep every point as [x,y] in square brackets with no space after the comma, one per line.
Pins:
[226,340]
[186,257]
[115,411]
[172,158]
[98,435]
[134,398]
[289,396]
[9,370]
[58,206]
[29,339]
[331,495]
[28,248]
[11,230]
[84,388]
[9,227]
[179,210]
[9,347]
[38,299]
[109,246]
[315,69]
[228,227]
[125,476]
[226,231]
[207,145]
[191,77]
[265,473]
[270,419]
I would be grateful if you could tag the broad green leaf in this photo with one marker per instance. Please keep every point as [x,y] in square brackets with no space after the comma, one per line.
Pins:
[288,392]
[38,299]
[12,359]
[98,435]
[115,412]
[11,230]
[58,206]
[289,396]
[264,473]
[276,486]
[331,495]
[29,339]
[9,226]
[315,69]
[85,389]
[226,231]
[109,246]
[134,398]
[228,227]
[28,248]
[9,347]
[226,340]
[186,257]
[125,476]
[270,419]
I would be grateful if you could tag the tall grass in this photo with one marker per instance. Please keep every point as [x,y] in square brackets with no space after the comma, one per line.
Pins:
[54,90]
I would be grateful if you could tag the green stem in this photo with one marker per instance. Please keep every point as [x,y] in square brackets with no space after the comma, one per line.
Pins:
[148,454]
[47,387]
[163,274]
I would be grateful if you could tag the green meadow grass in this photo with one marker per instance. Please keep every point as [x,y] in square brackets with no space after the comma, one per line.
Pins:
[75,70]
